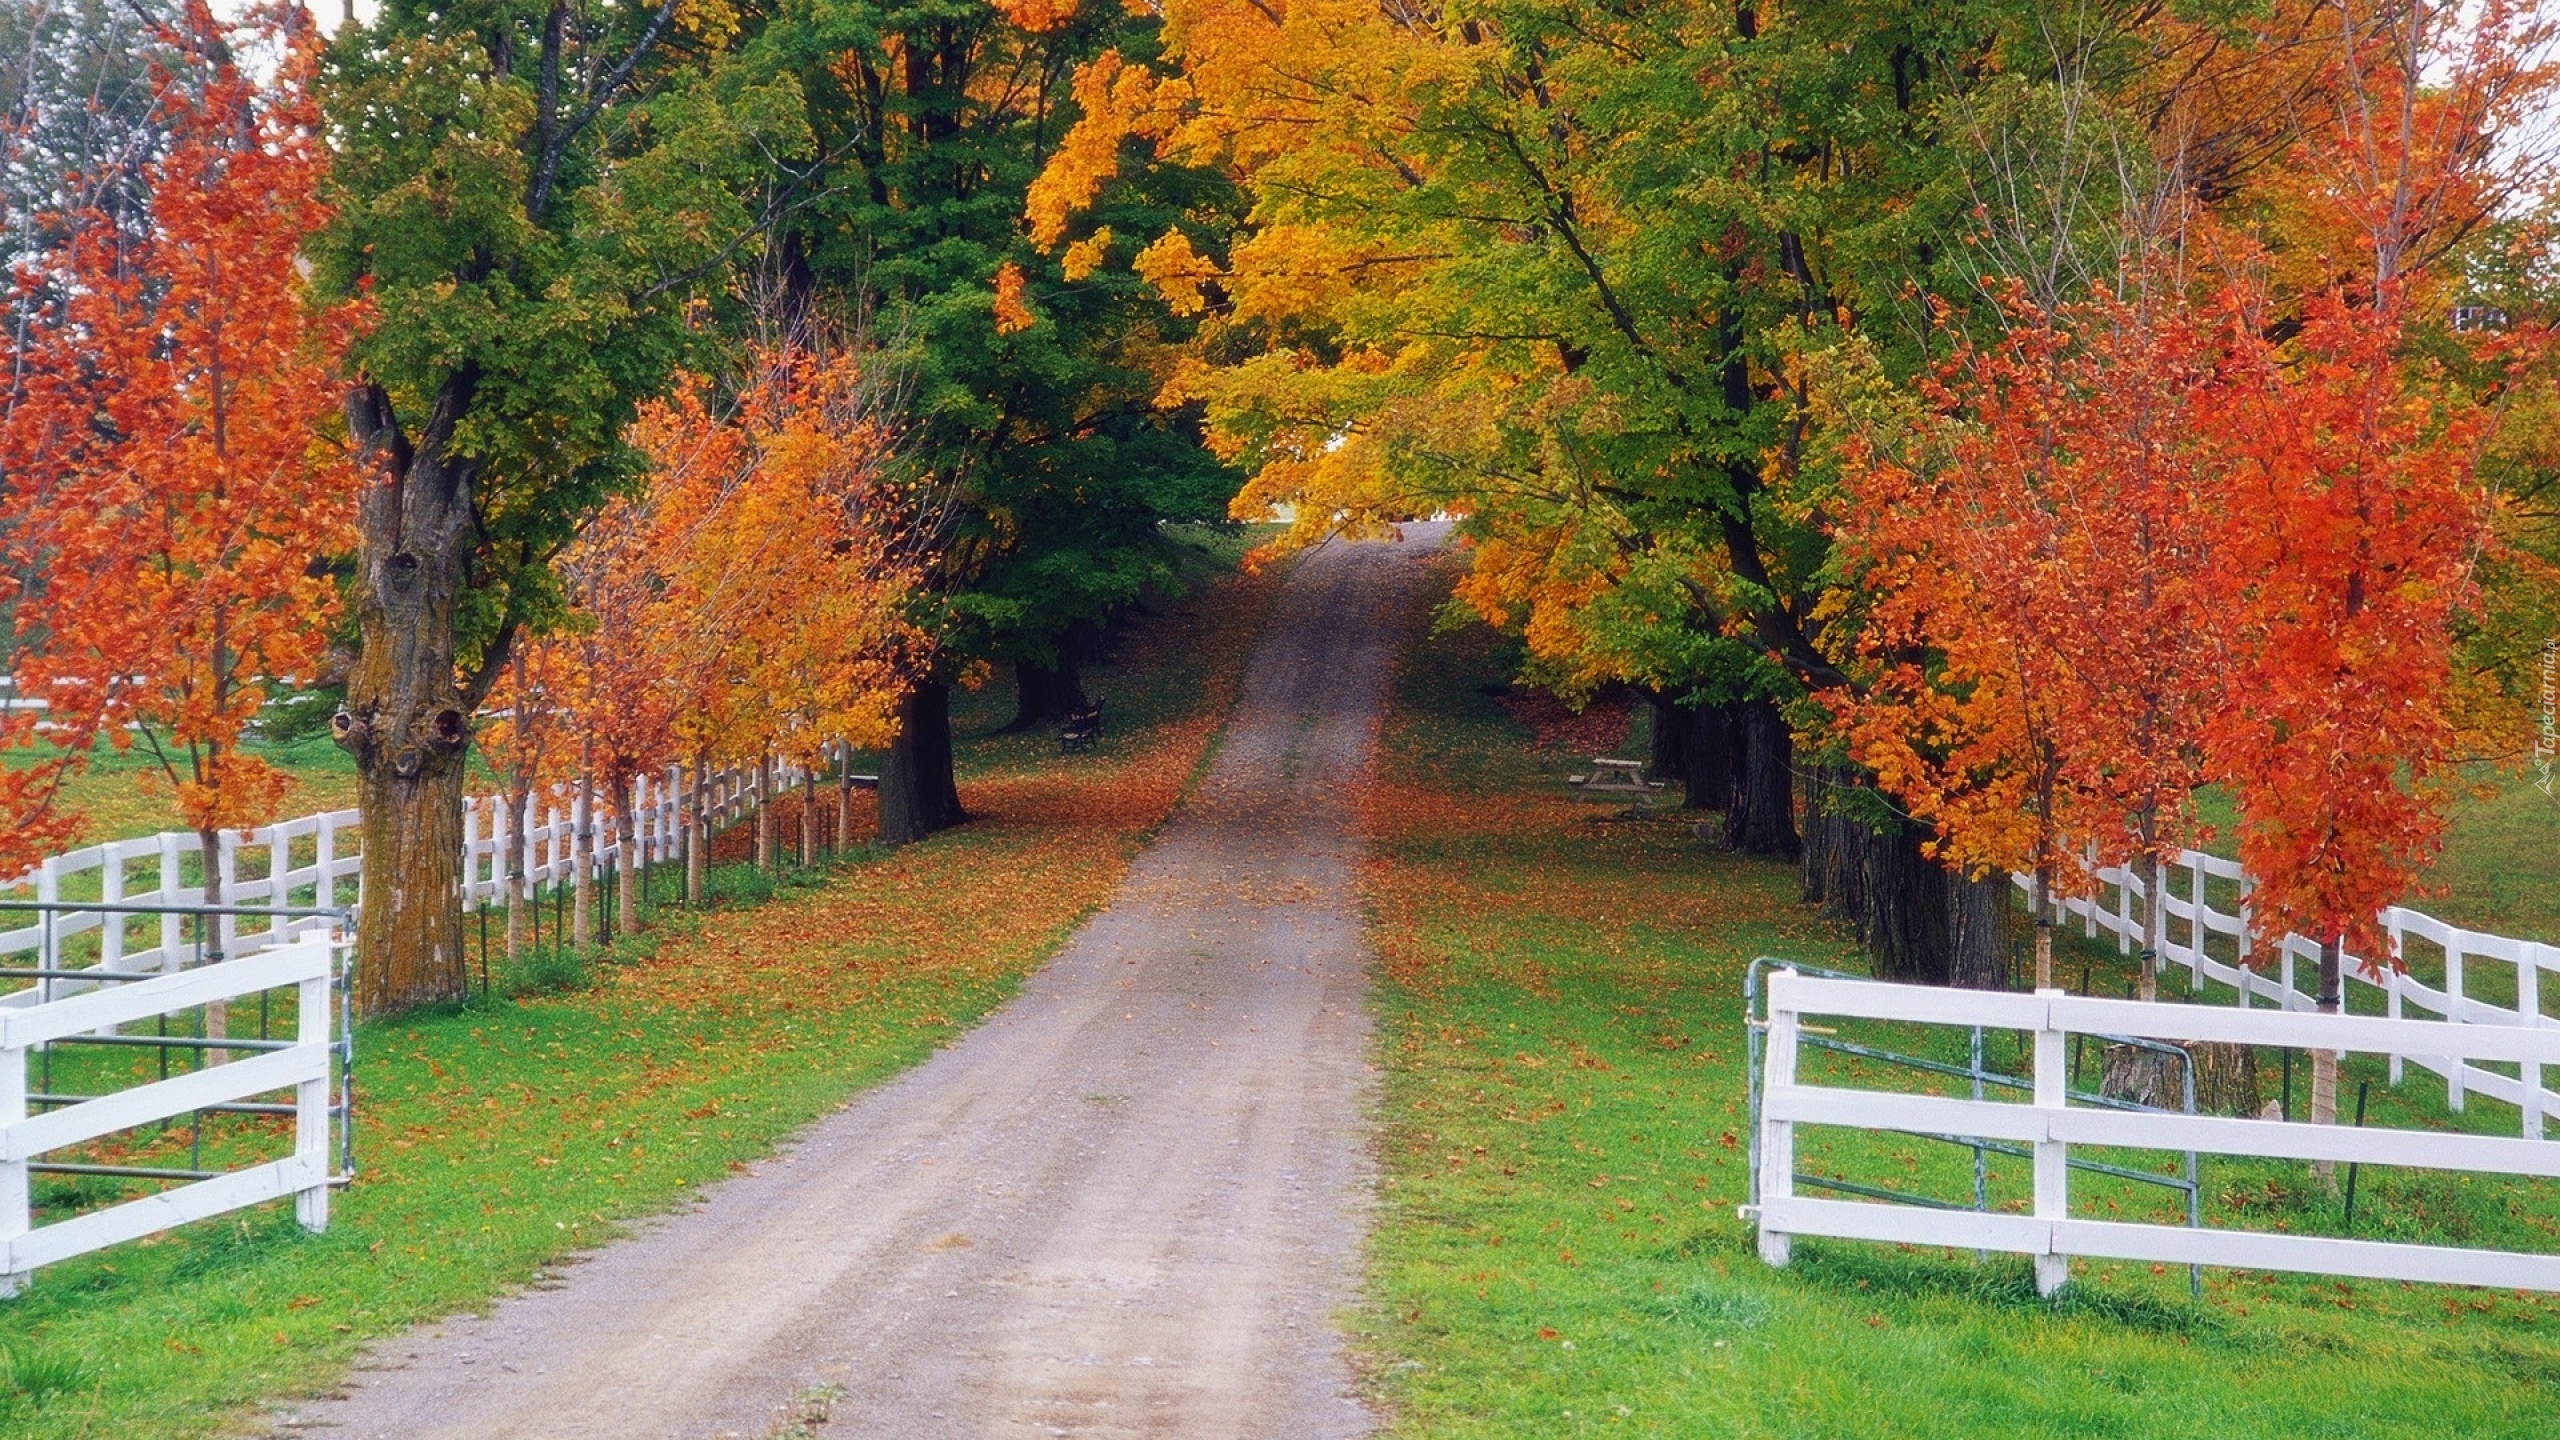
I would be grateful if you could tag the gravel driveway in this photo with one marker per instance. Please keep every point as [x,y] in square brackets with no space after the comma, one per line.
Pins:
[1129,1204]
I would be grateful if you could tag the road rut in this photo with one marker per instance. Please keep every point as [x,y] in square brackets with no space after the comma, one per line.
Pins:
[1128,1204]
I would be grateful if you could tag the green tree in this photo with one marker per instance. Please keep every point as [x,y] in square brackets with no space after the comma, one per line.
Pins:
[535,198]
[1559,268]
[1032,378]
[1577,272]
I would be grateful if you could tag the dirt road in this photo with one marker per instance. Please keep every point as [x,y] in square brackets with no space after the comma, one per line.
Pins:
[1129,1204]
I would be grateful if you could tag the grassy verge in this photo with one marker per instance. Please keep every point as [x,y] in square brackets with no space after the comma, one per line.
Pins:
[1558,1252]
[497,1139]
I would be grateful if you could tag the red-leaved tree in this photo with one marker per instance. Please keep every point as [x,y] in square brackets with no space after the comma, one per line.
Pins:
[2034,553]
[170,432]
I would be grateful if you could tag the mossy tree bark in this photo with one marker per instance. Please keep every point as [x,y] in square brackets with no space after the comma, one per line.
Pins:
[406,723]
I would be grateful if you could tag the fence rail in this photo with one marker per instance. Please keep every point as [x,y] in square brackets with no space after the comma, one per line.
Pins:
[2048,1125]
[2193,926]
[311,1066]
[145,888]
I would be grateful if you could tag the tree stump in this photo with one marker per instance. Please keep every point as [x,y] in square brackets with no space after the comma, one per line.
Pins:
[2144,1077]
[2226,1078]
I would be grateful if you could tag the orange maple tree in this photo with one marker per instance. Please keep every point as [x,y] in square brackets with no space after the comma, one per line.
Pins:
[525,738]
[170,436]
[2354,515]
[765,575]
[614,686]
[2036,561]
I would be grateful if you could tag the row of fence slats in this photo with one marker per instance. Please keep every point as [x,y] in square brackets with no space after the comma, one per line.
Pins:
[308,966]
[2402,994]
[2051,1124]
[558,834]
[556,831]
[550,850]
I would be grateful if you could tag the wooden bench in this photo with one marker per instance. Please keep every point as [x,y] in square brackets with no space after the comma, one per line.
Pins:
[1081,730]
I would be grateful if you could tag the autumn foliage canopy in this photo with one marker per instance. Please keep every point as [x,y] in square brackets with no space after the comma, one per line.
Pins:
[2036,423]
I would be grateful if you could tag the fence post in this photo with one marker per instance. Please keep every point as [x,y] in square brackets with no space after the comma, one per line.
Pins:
[2529,1014]
[49,942]
[110,892]
[2391,980]
[675,835]
[553,837]
[227,856]
[527,881]
[2053,1171]
[311,1097]
[324,857]
[2197,929]
[2453,1087]
[14,1219]
[2124,909]
[279,888]
[2248,977]
[172,937]
[1777,1137]
[2089,907]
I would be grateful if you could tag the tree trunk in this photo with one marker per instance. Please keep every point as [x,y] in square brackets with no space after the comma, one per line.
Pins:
[1706,761]
[809,817]
[2143,1077]
[2043,899]
[1907,929]
[582,850]
[1669,737]
[2226,1079]
[2324,1063]
[1978,931]
[768,851]
[697,833]
[1832,865]
[217,1013]
[407,717]
[1046,694]
[2154,916]
[627,868]
[918,796]
[844,799]
[1762,820]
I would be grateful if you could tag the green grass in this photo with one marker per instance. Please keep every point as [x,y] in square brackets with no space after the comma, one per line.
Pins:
[2499,869]
[498,1138]
[1132,685]
[1558,1251]
[493,1137]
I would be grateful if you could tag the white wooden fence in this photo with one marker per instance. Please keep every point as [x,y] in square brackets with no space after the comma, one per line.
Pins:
[2192,926]
[149,959]
[555,830]
[316,861]
[309,964]
[307,862]
[2049,1126]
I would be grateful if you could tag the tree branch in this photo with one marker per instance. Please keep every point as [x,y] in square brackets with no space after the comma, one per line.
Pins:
[547,161]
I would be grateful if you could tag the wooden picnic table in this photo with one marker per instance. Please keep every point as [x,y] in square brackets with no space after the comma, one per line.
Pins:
[1612,778]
